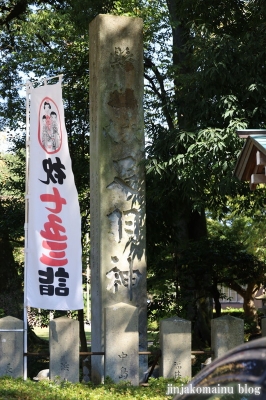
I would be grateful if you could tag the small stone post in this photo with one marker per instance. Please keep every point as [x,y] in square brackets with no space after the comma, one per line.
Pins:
[122,343]
[227,332]
[263,327]
[117,177]
[64,349]
[175,344]
[11,347]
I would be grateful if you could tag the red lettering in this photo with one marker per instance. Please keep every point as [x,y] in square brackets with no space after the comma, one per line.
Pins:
[57,254]
[54,234]
[53,245]
[54,198]
[53,262]
[53,228]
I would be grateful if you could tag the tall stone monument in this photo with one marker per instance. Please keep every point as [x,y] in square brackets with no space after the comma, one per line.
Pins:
[117,187]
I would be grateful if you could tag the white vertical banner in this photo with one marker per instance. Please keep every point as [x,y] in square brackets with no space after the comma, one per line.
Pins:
[54,266]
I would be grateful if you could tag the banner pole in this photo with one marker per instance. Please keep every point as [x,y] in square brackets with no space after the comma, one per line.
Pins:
[60,77]
[25,311]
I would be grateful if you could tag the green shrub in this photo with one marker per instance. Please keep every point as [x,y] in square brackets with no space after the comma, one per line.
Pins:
[153,325]
[45,390]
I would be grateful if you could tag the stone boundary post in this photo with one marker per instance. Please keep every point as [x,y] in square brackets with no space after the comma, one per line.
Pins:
[64,349]
[122,343]
[227,332]
[263,327]
[11,347]
[175,344]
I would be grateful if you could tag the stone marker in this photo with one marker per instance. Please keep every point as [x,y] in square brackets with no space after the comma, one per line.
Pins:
[122,343]
[263,327]
[175,344]
[11,348]
[64,349]
[118,264]
[227,332]
[86,370]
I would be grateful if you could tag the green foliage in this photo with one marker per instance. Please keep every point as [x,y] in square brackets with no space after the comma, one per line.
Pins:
[222,258]
[41,318]
[18,389]
[204,265]
[234,312]
[43,41]
[197,95]
[153,326]
[209,95]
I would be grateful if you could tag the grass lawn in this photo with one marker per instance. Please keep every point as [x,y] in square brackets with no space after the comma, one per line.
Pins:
[43,333]
[29,390]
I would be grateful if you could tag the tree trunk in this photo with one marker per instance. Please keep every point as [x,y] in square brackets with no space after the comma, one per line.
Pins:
[248,302]
[198,306]
[202,324]
[180,53]
[11,295]
[249,307]
[9,280]
[216,298]
[82,336]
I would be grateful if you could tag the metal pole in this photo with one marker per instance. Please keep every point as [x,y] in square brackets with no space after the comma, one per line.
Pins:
[45,79]
[25,317]
[88,278]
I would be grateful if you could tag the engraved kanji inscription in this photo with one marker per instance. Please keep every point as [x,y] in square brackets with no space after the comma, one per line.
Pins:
[122,59]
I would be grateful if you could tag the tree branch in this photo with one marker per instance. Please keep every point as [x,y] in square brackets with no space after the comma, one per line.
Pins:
[43,41]
[14,12]
[162,94]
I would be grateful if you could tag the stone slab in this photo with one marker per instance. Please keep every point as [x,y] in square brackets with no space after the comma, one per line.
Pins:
[64,349]
[227,332]
[122,343]
[263,327]
[11,348]
[175,344]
